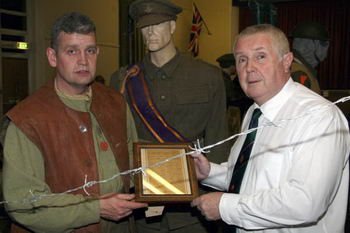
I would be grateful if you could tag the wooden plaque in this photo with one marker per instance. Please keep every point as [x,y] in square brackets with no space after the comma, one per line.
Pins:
[169,175]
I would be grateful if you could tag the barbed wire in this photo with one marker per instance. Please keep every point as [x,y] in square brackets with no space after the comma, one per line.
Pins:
[196,149]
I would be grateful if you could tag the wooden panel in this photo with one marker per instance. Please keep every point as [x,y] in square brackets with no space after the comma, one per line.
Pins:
[15,81]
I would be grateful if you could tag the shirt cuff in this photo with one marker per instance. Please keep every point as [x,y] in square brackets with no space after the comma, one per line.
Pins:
[92,212]
[217,177]
[228,208]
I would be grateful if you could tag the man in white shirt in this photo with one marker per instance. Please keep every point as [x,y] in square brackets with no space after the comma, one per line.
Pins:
[296,178]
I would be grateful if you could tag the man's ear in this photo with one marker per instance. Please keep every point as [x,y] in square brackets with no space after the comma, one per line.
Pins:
[287,61]
[172,26]
[51,56]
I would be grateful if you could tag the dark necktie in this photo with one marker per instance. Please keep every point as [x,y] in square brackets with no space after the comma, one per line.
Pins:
[242,161]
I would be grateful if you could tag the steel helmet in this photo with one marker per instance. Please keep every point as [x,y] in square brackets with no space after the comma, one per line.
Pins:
[226,60]
[310,30]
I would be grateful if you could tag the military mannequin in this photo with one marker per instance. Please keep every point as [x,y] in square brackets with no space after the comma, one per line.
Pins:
[310,47]
[228,67]
[186,94]
[237,101]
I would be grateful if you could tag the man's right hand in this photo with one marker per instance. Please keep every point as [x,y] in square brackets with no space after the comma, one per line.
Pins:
[202,166]
[118,205]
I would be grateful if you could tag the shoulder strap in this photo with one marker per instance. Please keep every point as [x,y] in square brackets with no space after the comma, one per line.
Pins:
[141,101]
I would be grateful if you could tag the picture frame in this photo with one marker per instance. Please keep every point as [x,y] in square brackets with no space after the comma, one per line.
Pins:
[169,175]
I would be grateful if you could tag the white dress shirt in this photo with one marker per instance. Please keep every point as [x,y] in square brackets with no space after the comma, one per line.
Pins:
[296,180]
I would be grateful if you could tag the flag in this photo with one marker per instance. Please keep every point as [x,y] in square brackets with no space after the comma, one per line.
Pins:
[197,22]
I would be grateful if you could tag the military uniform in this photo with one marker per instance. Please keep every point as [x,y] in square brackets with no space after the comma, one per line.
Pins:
[306,57]
[190,95]
[303,73]
[236,100]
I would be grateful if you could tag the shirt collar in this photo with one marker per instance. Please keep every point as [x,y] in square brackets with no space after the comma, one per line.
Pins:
[271,108]
[164,72]
[77,102]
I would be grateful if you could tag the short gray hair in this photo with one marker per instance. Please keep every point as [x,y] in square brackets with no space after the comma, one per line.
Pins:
[279,39]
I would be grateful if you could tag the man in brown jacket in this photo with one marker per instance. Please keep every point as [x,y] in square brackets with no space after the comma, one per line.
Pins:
[69,131]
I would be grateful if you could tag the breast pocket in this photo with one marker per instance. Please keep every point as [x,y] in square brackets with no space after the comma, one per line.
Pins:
[271,166]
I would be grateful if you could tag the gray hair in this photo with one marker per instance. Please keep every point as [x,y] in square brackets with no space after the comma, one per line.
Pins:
[279,39]
[72,22]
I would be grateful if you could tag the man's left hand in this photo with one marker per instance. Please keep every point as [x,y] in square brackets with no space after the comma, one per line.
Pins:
[208,205]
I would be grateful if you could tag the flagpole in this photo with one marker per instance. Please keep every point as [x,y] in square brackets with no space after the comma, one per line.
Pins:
[205,24]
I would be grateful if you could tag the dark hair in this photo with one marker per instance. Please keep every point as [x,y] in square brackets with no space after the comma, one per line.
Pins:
[72,22]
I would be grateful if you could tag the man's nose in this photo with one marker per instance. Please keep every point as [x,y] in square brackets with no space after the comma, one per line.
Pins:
[150,29]
[82,58]
[250,66]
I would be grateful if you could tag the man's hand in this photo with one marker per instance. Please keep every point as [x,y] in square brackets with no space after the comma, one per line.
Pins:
[202,166]
[208,205]
[118,206]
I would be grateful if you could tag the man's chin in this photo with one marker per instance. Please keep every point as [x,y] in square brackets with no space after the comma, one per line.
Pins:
[83,82]
[154,49]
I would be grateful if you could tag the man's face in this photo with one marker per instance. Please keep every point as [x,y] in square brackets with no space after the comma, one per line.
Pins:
[321,49]
[75,61]
[158,37]
[262,72]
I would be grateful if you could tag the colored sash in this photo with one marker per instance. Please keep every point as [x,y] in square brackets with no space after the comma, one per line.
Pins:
[142,103]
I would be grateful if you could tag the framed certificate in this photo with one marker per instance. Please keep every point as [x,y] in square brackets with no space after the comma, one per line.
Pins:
[169,175]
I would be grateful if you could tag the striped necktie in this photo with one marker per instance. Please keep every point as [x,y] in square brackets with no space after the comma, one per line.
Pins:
[241,163]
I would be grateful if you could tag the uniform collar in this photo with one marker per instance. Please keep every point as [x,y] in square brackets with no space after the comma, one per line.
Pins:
[164,72]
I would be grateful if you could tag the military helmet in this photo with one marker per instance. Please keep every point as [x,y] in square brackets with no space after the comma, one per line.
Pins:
[310,30]
[226,60]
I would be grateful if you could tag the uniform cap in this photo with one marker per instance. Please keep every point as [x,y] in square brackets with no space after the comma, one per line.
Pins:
[151,12]
[226,60]
[310,30]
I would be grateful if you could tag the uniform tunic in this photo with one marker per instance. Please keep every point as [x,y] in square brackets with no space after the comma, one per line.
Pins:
[302,70]
[190,94]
